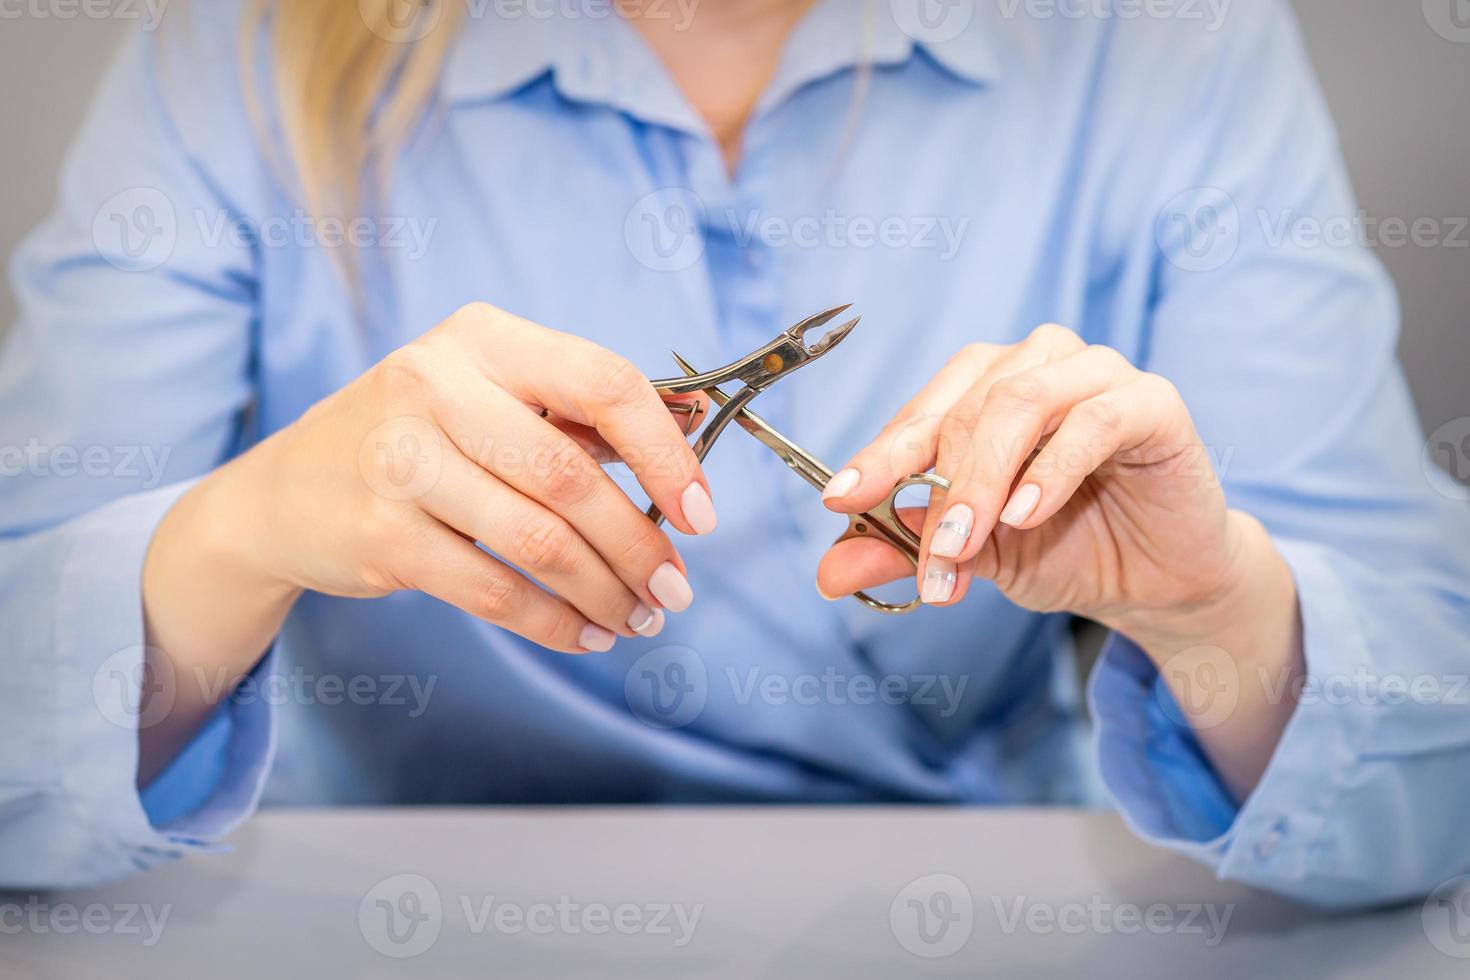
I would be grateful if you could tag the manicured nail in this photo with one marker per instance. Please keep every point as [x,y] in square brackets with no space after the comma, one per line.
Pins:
[671,588]
[645,621]
[953,531]
[829,598]
[939,581]
[842,484]
[596,639]
[1023,502]
[699,510]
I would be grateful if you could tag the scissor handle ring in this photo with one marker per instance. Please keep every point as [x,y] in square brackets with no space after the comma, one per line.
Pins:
[913,480]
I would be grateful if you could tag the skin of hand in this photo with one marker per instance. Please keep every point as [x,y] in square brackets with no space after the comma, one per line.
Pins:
[488,428]
[1079,484]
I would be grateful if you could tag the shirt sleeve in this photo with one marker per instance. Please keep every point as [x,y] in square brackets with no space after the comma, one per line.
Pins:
[1282,341]
[126,376]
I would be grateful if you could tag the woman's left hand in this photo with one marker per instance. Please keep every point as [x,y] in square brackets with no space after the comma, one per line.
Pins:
[1078,481]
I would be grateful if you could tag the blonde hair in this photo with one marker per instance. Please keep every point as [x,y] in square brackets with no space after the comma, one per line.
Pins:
[350,85]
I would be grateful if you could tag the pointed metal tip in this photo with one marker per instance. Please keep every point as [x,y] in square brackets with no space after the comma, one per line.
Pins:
[834,337]
[819,319]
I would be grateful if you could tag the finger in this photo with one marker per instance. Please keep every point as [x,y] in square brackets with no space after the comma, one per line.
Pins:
[864,563]
[992,433]
[1116,424]
[452,569]
[549,467]
[541,544]
[857,564]
[906,444]
[912,442]
[689,411]
[585,383]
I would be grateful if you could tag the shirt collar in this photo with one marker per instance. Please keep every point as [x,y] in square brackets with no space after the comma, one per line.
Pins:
[600,58]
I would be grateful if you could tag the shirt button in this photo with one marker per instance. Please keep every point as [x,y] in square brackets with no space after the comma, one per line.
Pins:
[1267,846]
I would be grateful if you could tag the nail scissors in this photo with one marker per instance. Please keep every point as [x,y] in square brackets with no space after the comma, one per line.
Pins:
[759,370]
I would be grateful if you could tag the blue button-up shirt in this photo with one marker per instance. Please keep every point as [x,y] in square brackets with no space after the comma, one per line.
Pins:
[1137,178]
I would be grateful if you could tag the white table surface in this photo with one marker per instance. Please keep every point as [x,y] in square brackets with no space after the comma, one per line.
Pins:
[762,892]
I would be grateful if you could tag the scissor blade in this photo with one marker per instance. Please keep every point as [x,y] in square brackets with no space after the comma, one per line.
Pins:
[811,469]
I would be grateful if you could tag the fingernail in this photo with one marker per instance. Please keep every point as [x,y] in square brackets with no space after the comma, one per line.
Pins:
[953,531]
[842,484]
[699,510]
[645,621]
[596,639]
[1023,502]
[829,598]
[670,588]
[939,581]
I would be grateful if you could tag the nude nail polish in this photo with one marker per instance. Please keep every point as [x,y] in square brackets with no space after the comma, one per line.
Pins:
[1023,502]
[939,581]
[671,588]
[953,531]
[698,509]
[596,639]
[842,484]
[645,621]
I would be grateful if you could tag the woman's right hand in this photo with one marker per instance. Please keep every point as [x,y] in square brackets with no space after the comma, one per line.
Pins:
[387,484]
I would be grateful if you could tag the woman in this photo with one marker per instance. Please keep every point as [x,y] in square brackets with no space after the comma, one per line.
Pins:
[273,276]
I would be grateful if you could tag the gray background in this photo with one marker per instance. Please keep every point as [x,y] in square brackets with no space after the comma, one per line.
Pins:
[1400,92]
